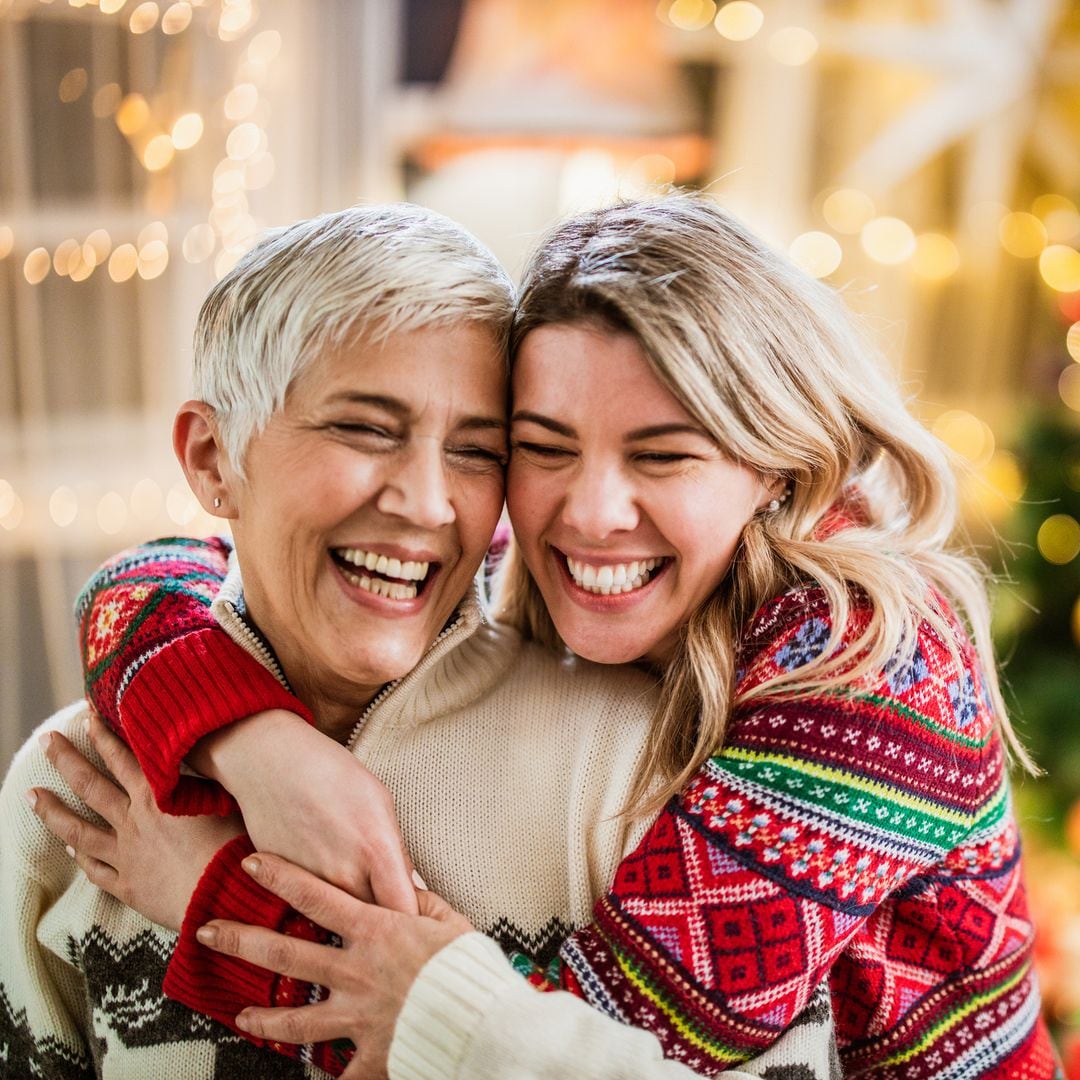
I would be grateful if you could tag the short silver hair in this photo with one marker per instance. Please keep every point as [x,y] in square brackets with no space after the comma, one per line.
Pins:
[367,271]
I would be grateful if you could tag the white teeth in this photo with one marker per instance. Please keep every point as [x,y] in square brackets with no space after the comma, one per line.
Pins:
[381,564]
[392,590]
[612,579]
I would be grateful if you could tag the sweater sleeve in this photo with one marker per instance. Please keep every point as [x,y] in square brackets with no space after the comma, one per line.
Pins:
[160,670]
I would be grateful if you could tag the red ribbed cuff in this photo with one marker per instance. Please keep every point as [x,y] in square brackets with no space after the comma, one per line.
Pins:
[193,686]
[210,982]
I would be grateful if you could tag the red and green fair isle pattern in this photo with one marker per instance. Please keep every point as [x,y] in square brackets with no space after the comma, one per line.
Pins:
[865,836]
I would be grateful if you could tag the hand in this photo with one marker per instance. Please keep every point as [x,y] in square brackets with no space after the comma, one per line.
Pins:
[148,860]
[368,978]
[306,798]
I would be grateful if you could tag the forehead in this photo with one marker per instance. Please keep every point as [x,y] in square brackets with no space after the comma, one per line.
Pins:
[452,363]
[584,369]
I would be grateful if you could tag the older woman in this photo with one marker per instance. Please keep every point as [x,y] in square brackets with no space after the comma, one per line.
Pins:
[350,425]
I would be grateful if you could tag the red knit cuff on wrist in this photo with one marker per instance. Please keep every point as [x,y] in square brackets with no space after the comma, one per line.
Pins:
[196,685]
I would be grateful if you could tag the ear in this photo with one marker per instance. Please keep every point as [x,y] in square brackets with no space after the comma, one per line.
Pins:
[201,453]
[775,489]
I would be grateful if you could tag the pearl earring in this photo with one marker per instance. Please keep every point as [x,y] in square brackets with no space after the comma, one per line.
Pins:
[775,504]
[217,503]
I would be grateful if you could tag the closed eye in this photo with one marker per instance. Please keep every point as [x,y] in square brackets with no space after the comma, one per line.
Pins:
[541,449]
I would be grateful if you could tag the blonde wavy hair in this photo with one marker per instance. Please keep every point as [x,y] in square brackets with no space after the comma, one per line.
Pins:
[770,363]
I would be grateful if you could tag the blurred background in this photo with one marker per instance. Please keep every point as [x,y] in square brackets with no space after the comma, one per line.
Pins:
[923,157]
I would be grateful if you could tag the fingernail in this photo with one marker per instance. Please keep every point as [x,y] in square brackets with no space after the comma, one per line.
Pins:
[418,881]
[70,850]
[252,865]
[31,798]
[241,1022]
[45,740]
[207,934]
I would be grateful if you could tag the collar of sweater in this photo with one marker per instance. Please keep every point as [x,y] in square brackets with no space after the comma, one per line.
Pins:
[466,659]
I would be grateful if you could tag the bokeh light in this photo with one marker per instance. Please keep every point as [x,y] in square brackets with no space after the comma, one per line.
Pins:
[153,260]
[266,45]
[132,114]
[187,131]
[241,100]
[936,257]
[112,513]
[888,240]
[1069,387]
[1058,539]
[158,153]
[106,100]
[1059,266]
[146,500]
[7,240]
[177,19]
[739,20]
[180,504]
[63,506]
[965,435]
[243,141]
[793,45]
[1072,341]
[816,253]
[36,266]
[1022,235]
[123,262]
[199,243]
[144,18]
[848,210]
[73,85]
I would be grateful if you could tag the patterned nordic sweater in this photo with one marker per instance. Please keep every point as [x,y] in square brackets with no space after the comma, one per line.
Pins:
[863,836]
[515,824]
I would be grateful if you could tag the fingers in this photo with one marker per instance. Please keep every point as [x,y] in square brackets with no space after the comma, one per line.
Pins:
[304,960]
[100,874]
[308,1023]
[324,904]
[392,884]
[85,780]
[75,832]
[119,760]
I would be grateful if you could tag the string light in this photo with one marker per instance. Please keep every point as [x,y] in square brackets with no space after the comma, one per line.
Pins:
[112,513]
[936,257]
[106,100]
[180,504]
[177,19]
[63,506]
[146,500]
[187,131]
[132,114]
[1072,341]
[1059,266]
[123,262]
[158,153]
[1058,539]
[240,101]
[266,45]
[62,256]
[7,498]
[7,241]
[199,243]
[243,141]
[36,266]
[153,259]
[73,85]
[965,435]
[691,14]
[1022,235]
[144,18]
[1069,387]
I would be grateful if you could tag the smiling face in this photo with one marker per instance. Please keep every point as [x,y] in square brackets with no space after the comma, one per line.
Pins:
[626,511]
[368,504]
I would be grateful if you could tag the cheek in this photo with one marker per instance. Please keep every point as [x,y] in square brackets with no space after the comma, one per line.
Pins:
[532,499]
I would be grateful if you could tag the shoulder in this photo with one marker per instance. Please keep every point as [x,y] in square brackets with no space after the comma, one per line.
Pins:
[41,854]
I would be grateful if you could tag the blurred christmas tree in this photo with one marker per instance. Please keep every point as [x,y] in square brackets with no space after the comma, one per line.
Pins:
[1037,615]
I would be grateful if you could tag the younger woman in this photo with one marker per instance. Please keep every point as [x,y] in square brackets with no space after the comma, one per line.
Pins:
[710,475]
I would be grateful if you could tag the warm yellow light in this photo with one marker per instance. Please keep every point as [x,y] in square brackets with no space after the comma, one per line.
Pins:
[816,253]
[111,7]
[180,504]
[132,114]
[644,176]
[1069,387]
[154,230]
[1072,341]
[13,518]
[243,141]
[1005,476]
[739,20]
[7,240]
[146,500]
[62,255]
[265,46]
[936,257]
[241,100]
[177,19]
[235,19]
[81,263]
[1058,539]
[7,498]
[101,244]
[199,243]
[187,131]
[36,266]
[144,18]
[123,262]
[1076,622]
[1046,205]
[63,506]
[888,240]
[153,259]
[259,171]
[793,45]
[112,513]
[73,85]
[1022,235]
[965,435]
[691,14]
[1060,267]
[106,100]
[158,153]
[228,178]
[225,261]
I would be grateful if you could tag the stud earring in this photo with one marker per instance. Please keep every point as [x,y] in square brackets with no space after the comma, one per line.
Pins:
[775,504]
[217,503]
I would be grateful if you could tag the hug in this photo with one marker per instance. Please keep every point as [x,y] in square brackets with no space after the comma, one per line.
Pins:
[704,773]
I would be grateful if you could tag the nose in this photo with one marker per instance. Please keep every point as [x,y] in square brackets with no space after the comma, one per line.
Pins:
[417,490]
[600,501]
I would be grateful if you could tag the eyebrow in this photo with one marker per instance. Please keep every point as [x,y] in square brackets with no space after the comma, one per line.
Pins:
[402,411]
[639,434]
